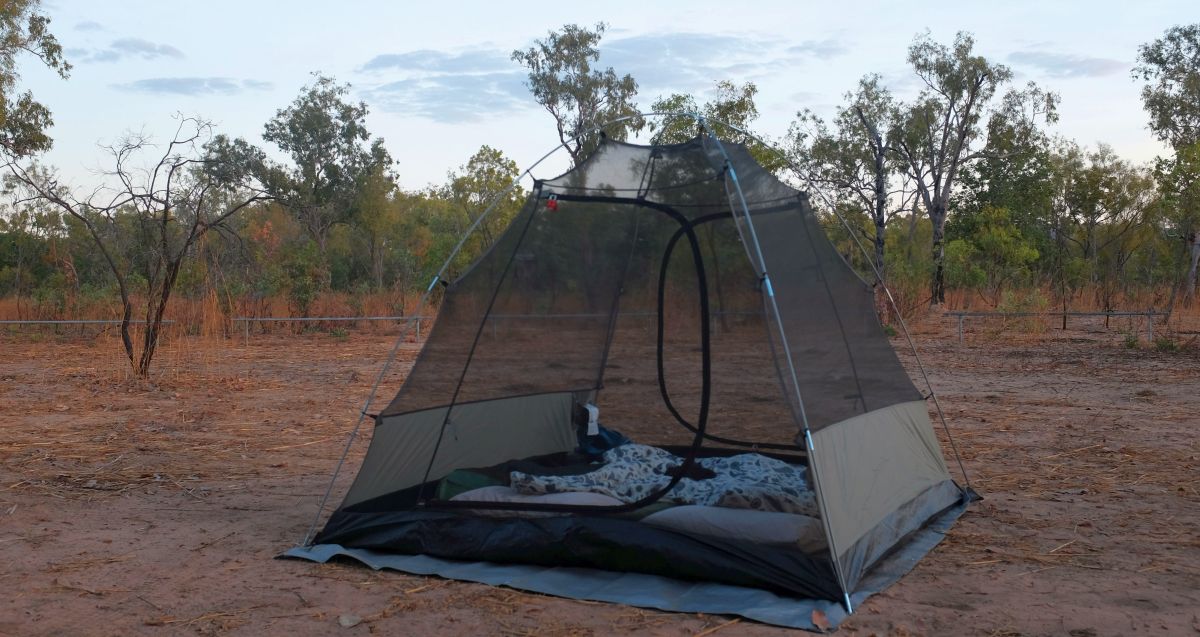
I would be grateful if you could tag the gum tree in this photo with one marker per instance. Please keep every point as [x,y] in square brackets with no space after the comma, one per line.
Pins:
[1170,66]
[578,96]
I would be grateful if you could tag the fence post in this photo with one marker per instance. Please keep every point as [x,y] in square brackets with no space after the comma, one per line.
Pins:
[960,328]
[1150,325]
[418,329]
[247,324]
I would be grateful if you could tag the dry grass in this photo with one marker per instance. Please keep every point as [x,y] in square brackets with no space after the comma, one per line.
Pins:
[1083,449]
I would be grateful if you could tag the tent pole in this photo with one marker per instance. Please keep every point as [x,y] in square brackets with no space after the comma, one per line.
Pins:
[774,305]
[881,283]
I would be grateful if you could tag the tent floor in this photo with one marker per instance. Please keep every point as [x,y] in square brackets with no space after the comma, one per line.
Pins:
[652,591]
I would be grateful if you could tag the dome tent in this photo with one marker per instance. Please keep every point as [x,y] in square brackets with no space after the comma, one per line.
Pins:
[683,296]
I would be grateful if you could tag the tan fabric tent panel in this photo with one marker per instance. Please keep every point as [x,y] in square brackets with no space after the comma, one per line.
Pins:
[873,464]
[403,445]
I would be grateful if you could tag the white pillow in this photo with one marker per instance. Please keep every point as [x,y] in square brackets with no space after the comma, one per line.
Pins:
[760,527]
[508,494]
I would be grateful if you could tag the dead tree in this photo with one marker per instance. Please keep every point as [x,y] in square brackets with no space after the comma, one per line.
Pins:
[148,217]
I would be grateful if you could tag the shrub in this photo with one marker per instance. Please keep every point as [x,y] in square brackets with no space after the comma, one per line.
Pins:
[1166,344]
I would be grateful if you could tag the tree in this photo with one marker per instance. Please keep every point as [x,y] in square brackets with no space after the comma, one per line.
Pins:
[1179,181]
[475,186]
[1014,169]
[23,120]
[28,234]
[332,155]
[148,224]
[729,115]
[934,135]
[578,97]
[1170,66]
[1102,201]
[857,160]
[997,255]
[376,213]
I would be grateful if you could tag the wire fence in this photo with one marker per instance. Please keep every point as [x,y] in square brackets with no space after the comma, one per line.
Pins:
[247,321]
[1149,315]
[76,322]
[421,323]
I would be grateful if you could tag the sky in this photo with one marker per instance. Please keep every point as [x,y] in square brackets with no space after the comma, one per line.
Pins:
[439,82]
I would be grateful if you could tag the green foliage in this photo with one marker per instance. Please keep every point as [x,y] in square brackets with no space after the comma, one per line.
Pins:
[332,155]
[730,116]
[304,278]
[933,134]
[1170,66]
[1022,300]
[1014,211]
[962,267]
[855,162]
[1014,171]
[578,96]
[24,120]
[1165,344]
[1131,340]
[483,181]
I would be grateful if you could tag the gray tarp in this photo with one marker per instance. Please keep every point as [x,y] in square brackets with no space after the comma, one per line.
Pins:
[651,591]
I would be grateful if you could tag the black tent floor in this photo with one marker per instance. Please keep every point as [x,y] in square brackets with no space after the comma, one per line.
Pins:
[652,591]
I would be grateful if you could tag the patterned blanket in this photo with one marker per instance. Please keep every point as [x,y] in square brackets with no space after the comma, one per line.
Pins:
[631,472]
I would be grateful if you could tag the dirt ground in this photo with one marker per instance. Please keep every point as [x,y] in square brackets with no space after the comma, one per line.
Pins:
[134,507]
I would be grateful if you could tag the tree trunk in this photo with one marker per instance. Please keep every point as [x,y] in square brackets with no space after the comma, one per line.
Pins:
[377,262]
[881,304]
[716,263]
[937,217]
[154,319]
[126,339]
[1189,286]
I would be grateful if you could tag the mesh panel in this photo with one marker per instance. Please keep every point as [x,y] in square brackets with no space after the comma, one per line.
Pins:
[843,363]
[569,298]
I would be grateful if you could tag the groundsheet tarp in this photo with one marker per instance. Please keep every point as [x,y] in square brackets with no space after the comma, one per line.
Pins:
[652,591]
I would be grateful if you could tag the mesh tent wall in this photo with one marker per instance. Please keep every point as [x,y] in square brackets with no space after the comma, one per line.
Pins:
[697,301]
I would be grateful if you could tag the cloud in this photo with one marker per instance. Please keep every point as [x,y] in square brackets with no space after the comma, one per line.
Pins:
[691,62]
[447,86]
[193,86]
[453,98]
[453,86]
[820,49]
[684,62]
[126,48]
[257,85]
[145,49]
[89,25]
[1064,65]
[440,62]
